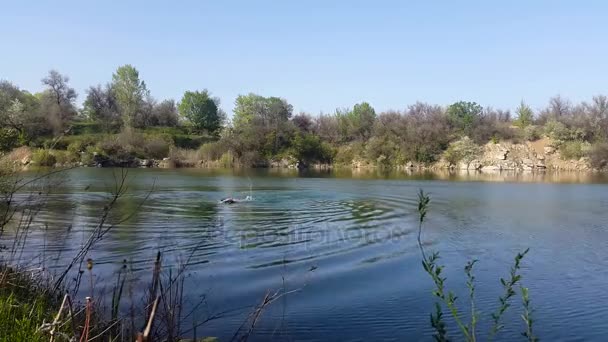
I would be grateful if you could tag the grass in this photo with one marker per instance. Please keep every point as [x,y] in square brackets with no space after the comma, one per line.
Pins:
[24,307]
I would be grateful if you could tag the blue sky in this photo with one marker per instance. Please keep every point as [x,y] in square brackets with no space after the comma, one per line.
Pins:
[319,55]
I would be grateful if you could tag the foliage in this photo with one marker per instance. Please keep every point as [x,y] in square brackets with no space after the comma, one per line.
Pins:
[447,299]
[212,151]
[464,150]
[525,115]
[101,106]
[598,156]
[531,133]
[201,110]
[463,115]
[130,92]
[156,148]
[574,149]
[44,157]
[9,139]
[57,101]
[559,132]
[308,148]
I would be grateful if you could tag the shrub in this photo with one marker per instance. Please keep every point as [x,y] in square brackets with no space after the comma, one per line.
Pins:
[65,157]
[212,151]
[531,133]
[464,150]
[110,147]
[9,139]
[574,149]
[309,148]
[189,141]
[44,157]
[383,151]
[227,160]
[156,148]
[598,155]
[346,154]
[556,130]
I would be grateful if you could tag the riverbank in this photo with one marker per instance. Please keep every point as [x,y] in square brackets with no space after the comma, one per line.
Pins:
[540,155]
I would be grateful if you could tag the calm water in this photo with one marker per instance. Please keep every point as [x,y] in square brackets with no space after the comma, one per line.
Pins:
[348,243]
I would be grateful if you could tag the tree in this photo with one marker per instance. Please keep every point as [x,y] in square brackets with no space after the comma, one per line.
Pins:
[525,115]
[101,106]
[19,112]
[130,92]
[303,122]
[463,115]
[57,101]
[264,121]
[165,114]
[363,116]
[201,110]
[308,148]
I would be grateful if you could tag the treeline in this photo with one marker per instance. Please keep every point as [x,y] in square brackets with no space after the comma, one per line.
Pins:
[124,119]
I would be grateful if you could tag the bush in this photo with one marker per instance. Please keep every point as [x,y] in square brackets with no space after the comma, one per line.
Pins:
[65,157]
[227,160]
[574,149]
[9,139]
[212,151]
[190,141]
[346,154]
[156,148]
[308,148]
[559,132]
[464,150]
[598,155]
[44,157]
[531,133]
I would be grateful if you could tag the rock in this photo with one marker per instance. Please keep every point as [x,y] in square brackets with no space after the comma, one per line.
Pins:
[501,155]
[145,163]
[527,162]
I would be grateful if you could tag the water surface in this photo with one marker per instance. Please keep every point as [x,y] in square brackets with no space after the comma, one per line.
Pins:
[347,243]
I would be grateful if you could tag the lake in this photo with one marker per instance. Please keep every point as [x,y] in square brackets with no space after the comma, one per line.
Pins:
[345,243]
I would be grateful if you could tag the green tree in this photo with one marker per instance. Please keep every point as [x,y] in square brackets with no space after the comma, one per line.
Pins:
[308,148]
[262,123]
[20,111]
[363,116]
[130,92]
[463,115]
[525,115]
[201,110]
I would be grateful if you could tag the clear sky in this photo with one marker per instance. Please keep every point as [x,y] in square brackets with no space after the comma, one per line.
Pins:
[319,55]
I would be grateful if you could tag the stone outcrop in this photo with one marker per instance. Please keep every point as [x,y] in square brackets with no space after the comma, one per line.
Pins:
[529,156]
